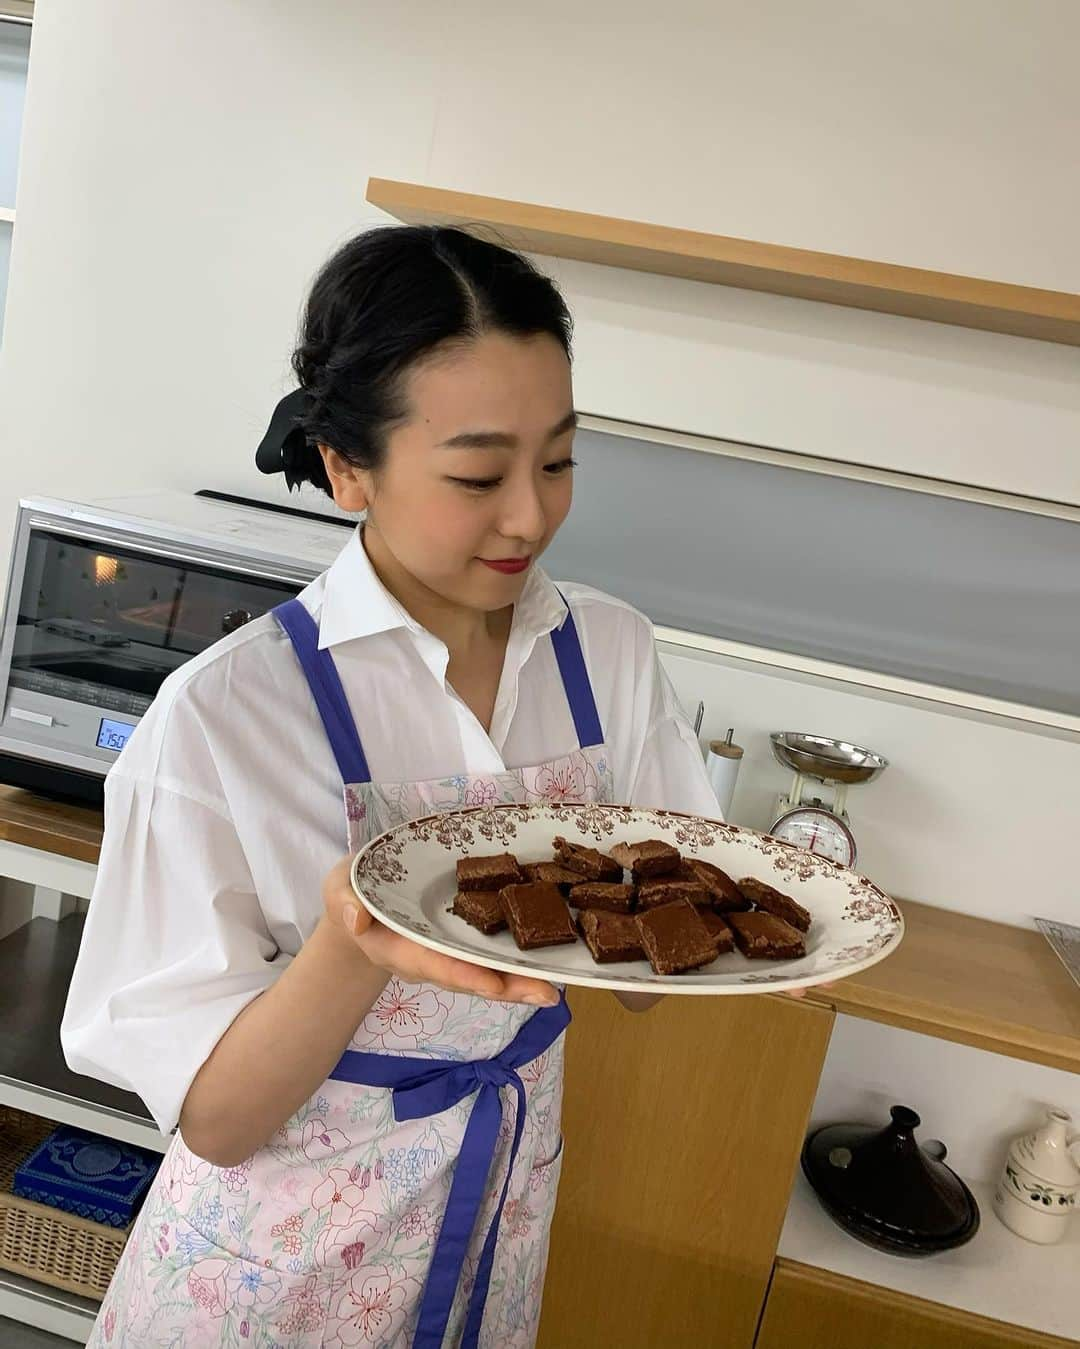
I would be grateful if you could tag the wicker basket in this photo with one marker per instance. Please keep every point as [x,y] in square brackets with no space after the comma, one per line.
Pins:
[45,1243]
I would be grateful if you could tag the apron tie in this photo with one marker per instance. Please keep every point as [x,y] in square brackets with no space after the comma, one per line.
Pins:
[423,1087]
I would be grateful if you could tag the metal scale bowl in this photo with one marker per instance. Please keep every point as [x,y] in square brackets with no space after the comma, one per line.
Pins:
[803,818]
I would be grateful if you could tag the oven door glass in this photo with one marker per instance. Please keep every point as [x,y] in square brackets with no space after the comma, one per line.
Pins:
[105,626]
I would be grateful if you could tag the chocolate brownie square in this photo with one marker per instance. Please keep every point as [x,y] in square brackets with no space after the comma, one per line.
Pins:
[763,936]
[481,909]
[610,936]
[551,873]
[537,915]
[609,895]
[650,858]
[487,873]
[772,901]
[666,889]
[675,939]
[725,894]
[719,931]
[588,862]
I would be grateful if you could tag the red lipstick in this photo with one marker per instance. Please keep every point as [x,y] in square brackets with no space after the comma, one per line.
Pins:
[509,566]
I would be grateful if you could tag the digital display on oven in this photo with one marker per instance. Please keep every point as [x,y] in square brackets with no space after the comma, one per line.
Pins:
[113,734]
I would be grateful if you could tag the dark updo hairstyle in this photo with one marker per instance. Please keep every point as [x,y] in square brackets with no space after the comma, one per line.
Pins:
[383,301]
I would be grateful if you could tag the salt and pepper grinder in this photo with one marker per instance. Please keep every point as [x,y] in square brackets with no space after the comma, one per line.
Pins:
[722,767]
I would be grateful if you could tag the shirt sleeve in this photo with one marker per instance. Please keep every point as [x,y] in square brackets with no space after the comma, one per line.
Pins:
[670,772]
[175,945]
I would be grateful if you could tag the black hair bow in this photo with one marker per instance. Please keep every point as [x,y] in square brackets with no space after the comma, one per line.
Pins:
[282,449]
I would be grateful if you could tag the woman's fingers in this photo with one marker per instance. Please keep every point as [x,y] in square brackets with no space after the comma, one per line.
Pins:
[418,964]
[358,918]
[520,988]
[337,887]
[415,963]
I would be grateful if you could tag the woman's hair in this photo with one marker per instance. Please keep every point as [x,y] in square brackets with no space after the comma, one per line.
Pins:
[383,302]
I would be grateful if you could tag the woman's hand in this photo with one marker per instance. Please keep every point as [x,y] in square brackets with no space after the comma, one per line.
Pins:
[416,964]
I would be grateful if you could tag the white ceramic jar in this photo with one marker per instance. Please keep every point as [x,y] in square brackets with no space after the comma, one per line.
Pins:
[1040,1183]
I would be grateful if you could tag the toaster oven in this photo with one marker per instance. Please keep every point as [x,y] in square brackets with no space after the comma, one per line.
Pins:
[106,599]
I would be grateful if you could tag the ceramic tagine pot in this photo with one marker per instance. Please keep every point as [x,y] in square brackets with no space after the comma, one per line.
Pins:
[1040,1184]
[885,1189]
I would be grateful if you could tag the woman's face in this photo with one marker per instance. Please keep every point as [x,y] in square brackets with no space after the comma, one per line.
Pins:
[479,473]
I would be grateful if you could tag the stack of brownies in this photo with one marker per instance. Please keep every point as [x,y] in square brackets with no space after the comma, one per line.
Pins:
[679,912]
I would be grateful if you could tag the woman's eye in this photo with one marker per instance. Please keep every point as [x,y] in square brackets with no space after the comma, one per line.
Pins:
[486,484]
[477,484]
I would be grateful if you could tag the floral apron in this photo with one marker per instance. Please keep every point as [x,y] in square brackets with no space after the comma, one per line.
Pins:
[408,1203]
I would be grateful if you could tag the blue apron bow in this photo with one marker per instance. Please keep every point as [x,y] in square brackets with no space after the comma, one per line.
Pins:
[423,1087]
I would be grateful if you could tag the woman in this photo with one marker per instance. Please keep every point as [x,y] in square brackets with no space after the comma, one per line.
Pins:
[308,1198]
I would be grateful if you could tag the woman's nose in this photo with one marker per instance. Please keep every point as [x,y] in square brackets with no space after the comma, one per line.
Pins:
[524,516]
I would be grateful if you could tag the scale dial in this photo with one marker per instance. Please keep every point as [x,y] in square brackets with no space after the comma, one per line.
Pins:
[818,831]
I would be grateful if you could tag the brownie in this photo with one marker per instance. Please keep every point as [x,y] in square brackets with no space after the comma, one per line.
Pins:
[725,895]
[610,936]
[651,858]
[588,862]
[481,909]
[666,889]
[487,873]
[719,931]
[772,901]
[551,873]
[537,915]
[763,936]
[675,939]
[608,895]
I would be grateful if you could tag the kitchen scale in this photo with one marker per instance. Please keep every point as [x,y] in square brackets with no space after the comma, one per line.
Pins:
[803,818]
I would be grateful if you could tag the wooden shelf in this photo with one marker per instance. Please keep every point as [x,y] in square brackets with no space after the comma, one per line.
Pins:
[996,306]
[50,826]
[972,981]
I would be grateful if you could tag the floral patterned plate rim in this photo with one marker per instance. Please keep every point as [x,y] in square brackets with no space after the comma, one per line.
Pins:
[406,877]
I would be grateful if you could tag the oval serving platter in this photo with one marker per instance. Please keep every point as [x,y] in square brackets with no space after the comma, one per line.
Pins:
[406,878]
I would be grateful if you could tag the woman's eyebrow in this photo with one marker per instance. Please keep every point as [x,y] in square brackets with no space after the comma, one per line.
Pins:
[502,440]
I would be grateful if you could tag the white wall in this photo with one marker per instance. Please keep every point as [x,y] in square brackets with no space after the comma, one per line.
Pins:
[186,168]
[989,1099]
[973,814]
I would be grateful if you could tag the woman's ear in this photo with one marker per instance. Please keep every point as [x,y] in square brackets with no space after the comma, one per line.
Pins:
[350,484]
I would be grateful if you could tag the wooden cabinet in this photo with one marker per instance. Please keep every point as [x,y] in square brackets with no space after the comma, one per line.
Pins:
[814,1309]
[683,1127]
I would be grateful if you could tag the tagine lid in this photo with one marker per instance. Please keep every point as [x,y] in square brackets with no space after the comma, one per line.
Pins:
[881,1182]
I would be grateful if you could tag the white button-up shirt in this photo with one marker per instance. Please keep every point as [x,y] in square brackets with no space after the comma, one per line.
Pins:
[224,811]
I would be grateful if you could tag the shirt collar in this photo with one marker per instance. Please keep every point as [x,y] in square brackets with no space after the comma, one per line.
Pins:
[357,604]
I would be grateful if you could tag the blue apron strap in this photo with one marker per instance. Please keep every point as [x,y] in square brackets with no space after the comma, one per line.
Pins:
[575,678]
[325,684]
